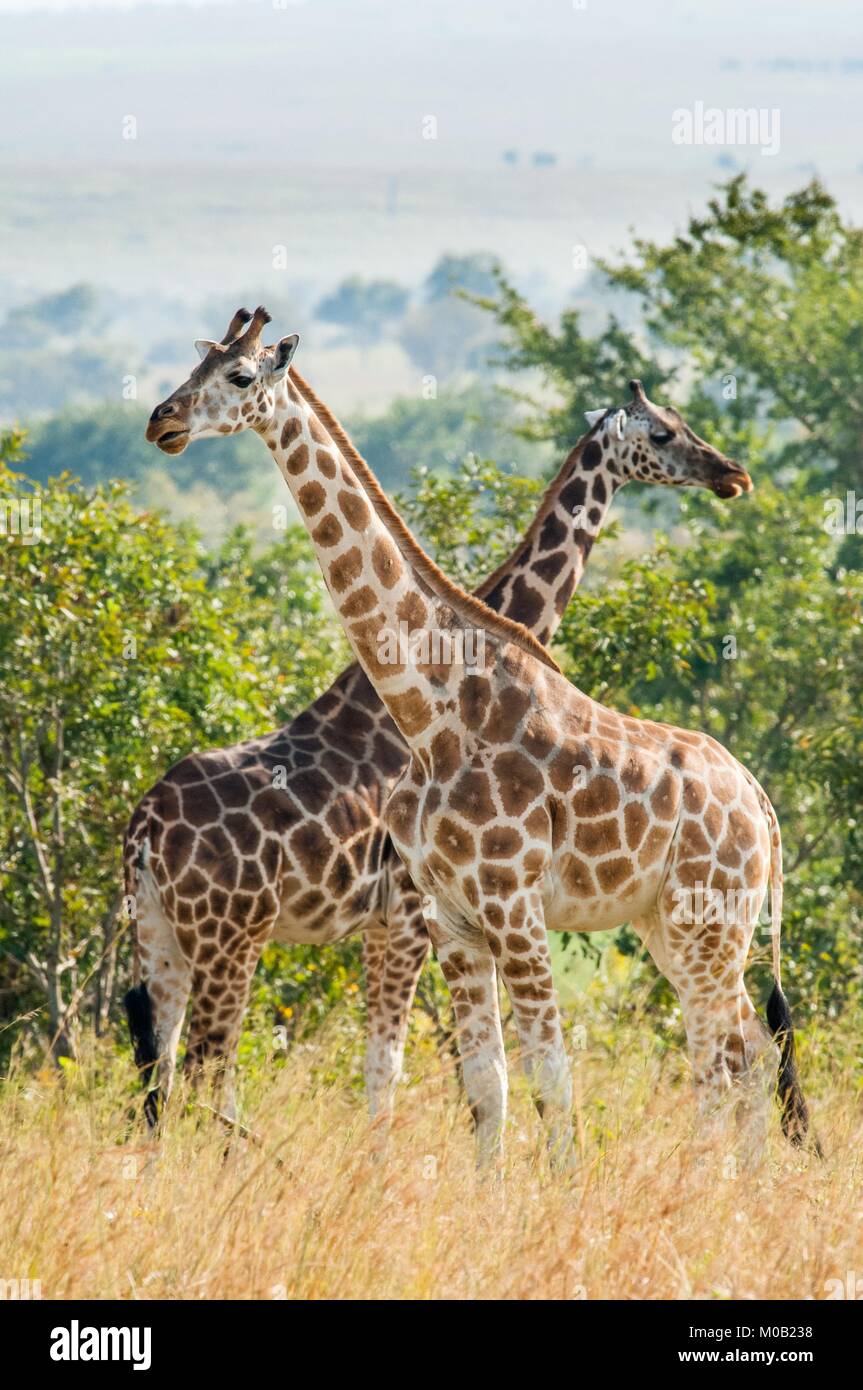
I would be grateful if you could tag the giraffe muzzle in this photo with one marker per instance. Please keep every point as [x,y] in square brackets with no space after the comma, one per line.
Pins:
[166,432]
[173,441]
[732,481]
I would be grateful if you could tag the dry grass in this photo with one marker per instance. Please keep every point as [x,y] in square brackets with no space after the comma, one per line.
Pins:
[94,1211]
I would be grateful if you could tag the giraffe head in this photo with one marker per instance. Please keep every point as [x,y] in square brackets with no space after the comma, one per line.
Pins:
[654,444]
[232,388]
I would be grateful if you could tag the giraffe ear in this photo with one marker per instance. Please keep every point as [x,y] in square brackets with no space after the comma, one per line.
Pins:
[593,417]
[203,345]
[283,354]
[620,423]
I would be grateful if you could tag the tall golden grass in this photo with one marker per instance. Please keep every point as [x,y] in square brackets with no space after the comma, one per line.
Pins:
[90,1208]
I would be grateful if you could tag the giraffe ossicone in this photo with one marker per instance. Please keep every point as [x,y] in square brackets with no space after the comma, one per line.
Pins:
[520,804]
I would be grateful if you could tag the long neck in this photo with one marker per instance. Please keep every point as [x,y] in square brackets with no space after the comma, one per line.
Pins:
[534,585]
[415,633]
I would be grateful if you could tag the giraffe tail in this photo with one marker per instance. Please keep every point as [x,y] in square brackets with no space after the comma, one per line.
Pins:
[137,1001]
[795,1111]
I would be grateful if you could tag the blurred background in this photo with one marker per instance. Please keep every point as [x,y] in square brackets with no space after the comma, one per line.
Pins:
[349,163]
[483,218]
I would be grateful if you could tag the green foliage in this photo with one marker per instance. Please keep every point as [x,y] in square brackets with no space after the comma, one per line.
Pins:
[436,434]
[633,642]
[99,443]
[747,625]
[472,518]
[286,615]
[758,308]
[585,373]
[12,442]
[299,986]
[122,648]
[772,296]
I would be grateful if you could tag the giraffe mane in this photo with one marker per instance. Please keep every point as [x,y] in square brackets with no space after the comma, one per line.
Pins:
[465,604]
[549,501]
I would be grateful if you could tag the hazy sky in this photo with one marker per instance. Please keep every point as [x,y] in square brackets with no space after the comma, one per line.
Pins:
[351,82]
[34,6]
[171,147]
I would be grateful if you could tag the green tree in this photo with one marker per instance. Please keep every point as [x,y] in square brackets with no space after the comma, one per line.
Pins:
[122,647]
[67,312]
[751,629]
[99,443]
[757,308]
[364,306]
[436,434]
[283,612]
[770,300]
[471,518]
[474,274]
[585,372]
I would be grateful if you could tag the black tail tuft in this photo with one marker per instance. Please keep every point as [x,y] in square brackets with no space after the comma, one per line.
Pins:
[795,1112]
[139,1011]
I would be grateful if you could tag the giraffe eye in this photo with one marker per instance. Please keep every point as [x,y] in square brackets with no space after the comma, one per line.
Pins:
[661,436]
[241,380]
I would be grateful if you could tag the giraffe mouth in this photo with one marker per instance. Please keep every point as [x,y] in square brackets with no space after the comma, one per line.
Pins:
[173,441]
[732,484]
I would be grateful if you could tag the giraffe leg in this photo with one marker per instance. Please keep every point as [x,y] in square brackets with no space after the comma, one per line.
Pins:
[156,1004]
[733,1055]
[220,994]
[524,962]
[469,970]
[393,957]
[759,1081]
[374,959]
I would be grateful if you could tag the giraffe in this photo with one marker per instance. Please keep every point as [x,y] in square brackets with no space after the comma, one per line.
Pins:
[189,840]
[313,459]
